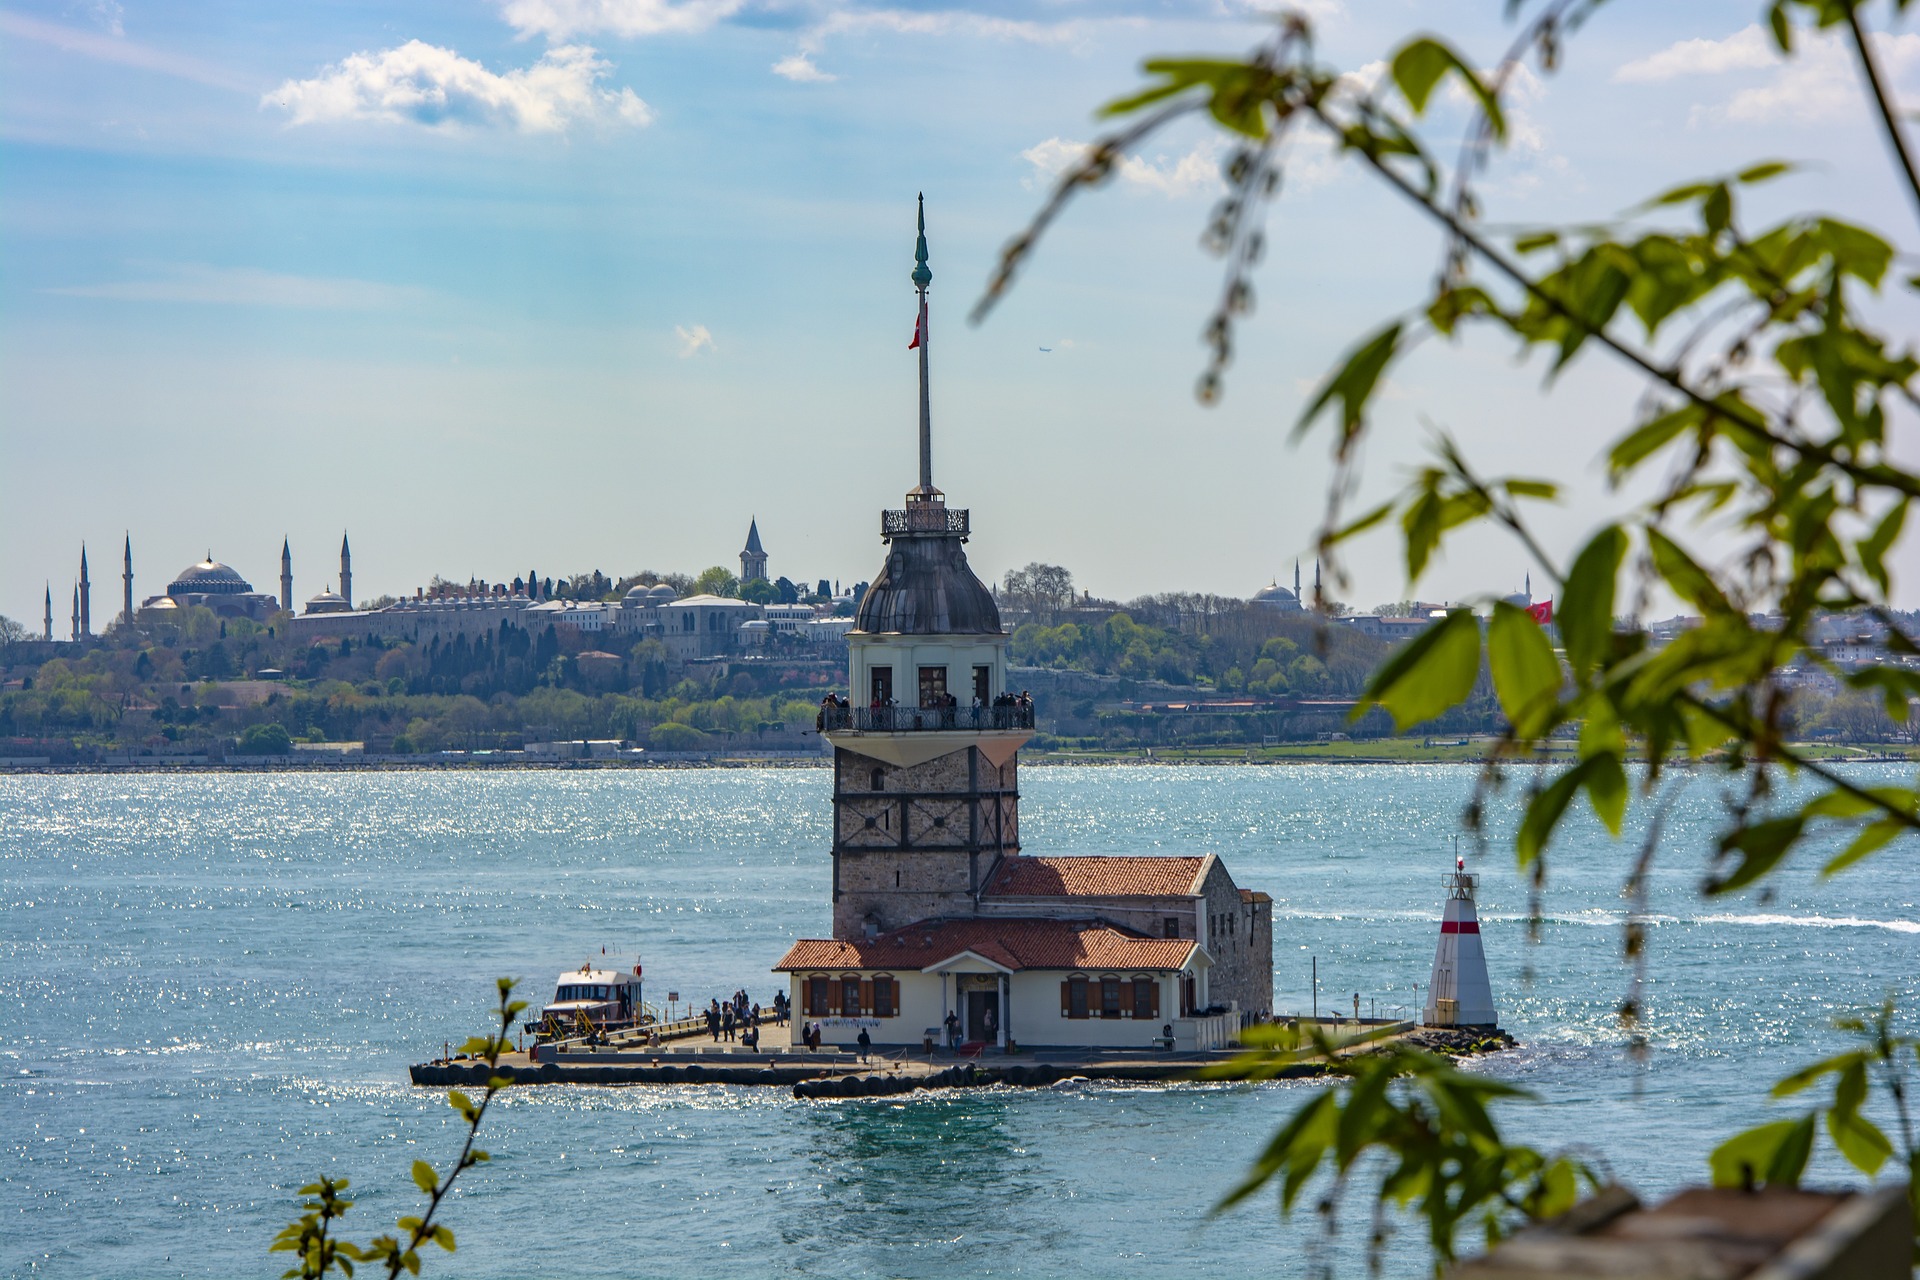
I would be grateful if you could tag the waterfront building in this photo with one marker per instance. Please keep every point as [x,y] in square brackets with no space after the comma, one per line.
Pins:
[936,908]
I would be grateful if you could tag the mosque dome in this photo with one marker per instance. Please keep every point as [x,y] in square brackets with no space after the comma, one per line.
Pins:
[1273,593]
[1522,599]
[927,588]
[662,592]
[209,577]
[329,602]
[637,595]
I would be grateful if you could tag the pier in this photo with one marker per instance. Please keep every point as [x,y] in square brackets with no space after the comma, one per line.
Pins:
[627,1059]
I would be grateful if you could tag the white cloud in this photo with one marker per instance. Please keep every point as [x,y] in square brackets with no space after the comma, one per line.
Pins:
[1744,50]
[946,22]
[564,19]
[126,53]
[1198,171]
[108,15]
[1819,82]
[800,68]
[247,287]
[423,84]
[693,340]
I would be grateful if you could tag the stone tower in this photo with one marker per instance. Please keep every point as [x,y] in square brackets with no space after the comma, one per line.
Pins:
[126,585]
[86,596]
[753,557]
[346,572]
[925,779]
[286,573]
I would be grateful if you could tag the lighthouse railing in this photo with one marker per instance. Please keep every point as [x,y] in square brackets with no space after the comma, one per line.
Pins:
[926,719]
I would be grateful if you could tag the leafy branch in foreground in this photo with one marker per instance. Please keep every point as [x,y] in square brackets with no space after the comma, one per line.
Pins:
[1762,433]
[312,1235]
[1776,1154]
[1427,1125]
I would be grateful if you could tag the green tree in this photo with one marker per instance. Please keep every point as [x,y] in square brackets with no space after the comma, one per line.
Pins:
[266,740]
[759,591]
[715,582]
[673,736]
[1761,432]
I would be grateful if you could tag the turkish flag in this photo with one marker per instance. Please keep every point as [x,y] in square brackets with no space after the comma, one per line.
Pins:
[1542,613]
[916,334]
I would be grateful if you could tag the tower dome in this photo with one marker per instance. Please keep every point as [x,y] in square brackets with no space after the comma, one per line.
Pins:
[926,587]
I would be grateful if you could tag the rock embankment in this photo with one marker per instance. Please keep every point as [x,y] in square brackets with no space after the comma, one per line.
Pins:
[1459,1042]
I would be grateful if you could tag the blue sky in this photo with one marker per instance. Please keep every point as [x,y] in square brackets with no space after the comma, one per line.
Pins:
[575,284]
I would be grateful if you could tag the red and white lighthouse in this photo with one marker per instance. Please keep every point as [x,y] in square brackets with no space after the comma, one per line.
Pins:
[1458,993]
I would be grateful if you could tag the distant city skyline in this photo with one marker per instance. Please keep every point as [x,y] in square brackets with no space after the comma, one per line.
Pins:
[590,285]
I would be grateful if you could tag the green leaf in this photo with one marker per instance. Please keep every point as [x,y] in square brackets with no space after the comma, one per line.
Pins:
[1689,581]
[1871,839]
[1354,384]
[1764,171]
[1526,675]
[1422,63]
[1773,1154]
[1606,786]
[1536,241]
[443,1236]
[1585,609]
[1860,1141]
[1545,810]
[1652,436]
[424,1176]
[1432,672]
[1761,846]
[1873,549]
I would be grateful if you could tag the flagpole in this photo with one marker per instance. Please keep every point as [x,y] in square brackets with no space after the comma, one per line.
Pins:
[922,277]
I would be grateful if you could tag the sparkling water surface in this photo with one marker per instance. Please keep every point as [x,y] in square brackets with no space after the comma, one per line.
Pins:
[215,985]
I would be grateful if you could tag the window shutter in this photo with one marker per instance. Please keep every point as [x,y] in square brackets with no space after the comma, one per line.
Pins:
[866,995]
[1066,999]
[1153,994]
[1126,999]
[833,996]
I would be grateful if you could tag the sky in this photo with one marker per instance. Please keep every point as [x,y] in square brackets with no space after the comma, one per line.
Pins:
[566,285]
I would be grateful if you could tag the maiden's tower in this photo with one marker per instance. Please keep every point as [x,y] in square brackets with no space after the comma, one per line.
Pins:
[940,920]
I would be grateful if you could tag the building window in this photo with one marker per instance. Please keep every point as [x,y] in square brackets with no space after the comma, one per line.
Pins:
[1109,997]
[850,997]
[817,997]
[884,1005]
[879,780]
[933,686]
[880,681]
[1146,998]
[983,686]
[1170,927]
[1073,996]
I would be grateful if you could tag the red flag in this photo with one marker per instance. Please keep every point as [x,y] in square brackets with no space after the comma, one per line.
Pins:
[1542,613]
[916,334]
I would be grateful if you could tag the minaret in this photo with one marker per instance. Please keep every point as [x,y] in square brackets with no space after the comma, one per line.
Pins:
[126,585]
[925,783]
[1458,992]
[75,633]
[49,631]
[1296,580]
[86,596]
[753,558]
[286,574]
[1319,596]
[346,572]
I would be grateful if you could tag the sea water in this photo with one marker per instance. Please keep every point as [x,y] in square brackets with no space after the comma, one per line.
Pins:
[214,985]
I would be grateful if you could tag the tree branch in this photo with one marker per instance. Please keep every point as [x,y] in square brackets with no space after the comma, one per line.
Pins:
[1888,119]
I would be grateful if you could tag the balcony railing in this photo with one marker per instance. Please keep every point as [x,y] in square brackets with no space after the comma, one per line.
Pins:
[926,719]
[926,517]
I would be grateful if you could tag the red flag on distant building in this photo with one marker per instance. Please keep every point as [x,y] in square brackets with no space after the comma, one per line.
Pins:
[916,334]
[1542,612]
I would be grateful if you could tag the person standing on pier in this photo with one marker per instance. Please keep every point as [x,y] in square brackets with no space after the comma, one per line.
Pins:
[866,1044]
[726,1020]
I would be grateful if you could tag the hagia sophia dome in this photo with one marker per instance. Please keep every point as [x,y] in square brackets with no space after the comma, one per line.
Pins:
[209,577]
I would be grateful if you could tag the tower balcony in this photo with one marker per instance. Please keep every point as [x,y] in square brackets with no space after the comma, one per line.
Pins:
[927,719]
[924,517]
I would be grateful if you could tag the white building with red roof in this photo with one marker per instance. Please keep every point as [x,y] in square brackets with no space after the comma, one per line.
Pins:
[937,913]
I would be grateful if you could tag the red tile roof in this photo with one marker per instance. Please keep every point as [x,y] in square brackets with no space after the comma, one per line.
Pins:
[1010,943]
[1097,877]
